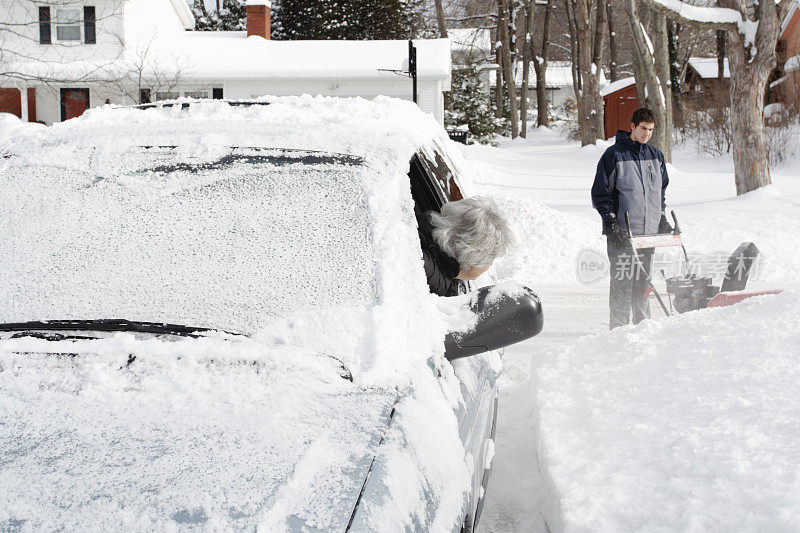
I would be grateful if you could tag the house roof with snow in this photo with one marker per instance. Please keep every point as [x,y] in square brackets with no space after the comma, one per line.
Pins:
[615,86]
[707,67]
[235,56]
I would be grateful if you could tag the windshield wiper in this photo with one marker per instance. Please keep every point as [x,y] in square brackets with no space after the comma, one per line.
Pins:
[110,324]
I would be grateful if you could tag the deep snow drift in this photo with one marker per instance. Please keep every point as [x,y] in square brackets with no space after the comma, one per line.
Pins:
[686,424]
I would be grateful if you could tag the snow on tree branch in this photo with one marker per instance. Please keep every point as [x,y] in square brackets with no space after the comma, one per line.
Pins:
[720,18]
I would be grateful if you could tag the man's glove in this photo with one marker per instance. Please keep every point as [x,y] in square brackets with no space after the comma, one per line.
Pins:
[664,226]
[614,231]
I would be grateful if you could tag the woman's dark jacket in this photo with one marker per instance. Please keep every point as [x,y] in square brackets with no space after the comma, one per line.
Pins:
[440,268]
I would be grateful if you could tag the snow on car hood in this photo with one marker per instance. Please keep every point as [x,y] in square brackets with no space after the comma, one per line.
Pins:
[217,432]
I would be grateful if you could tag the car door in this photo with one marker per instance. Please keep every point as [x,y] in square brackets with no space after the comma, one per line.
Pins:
[433,183]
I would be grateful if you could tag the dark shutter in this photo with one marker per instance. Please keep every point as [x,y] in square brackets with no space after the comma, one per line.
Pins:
[89,34]
[144,96]
[216,93]
[44,25]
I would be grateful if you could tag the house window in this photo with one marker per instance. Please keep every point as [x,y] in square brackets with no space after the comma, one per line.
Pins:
[44,25]
[68,27]
[167,95]
[89,30]
[196,94]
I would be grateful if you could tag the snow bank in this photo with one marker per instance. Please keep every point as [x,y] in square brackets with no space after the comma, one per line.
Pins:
[549,242]
[688,424]
[11,125]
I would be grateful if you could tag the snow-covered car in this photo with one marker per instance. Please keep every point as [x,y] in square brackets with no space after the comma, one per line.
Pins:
[215,316]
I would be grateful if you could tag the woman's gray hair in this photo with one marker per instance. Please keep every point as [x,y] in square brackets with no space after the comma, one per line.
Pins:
[473,231]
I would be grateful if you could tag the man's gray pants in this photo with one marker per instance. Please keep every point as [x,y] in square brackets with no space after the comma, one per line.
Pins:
[628,284]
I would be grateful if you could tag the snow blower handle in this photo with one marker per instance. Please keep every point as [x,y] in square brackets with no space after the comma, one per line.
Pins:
[676,229]
[640,266]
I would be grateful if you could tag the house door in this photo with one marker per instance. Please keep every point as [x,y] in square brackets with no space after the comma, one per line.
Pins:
[73,103]
[11,102]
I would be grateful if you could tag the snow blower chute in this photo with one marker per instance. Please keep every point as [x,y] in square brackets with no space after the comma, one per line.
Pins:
[689,292]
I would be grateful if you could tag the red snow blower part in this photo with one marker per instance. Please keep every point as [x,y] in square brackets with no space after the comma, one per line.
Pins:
[689,292]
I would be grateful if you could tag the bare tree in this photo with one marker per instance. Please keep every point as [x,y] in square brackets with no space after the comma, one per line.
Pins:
[651,65]
[527,51]
[540,66]
[587,22]
[612,43]
[148,72]
[440,19]
[504,48]
[752,30]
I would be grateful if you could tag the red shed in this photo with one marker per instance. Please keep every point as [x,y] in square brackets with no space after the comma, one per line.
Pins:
[619,102]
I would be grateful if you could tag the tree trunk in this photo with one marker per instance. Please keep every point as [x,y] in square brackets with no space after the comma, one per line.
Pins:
[540,66]
[574,50]
[659,38]
[612,43]
[720,55]
[590,33]
[650,66]
[750,158]
[508,71]
[527,47]
[597,65]
[498,79]
[440,19]
[750,65]
[674,74]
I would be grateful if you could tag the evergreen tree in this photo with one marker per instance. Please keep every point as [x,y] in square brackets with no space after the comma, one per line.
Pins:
[232,16]
[468,105]
[348,19]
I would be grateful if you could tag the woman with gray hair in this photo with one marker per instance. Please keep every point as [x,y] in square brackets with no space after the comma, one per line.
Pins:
[462,242]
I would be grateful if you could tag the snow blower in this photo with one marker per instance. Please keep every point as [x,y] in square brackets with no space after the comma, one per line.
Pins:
[689,292]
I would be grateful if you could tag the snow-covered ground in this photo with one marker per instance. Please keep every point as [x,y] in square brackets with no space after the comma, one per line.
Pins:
[685,424]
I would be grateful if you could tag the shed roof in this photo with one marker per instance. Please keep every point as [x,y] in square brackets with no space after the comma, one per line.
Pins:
[615,86]
[706,67]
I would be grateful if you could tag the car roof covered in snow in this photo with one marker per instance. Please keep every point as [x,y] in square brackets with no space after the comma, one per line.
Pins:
[383,128]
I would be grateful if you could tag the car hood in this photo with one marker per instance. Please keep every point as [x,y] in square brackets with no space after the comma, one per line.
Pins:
[140,440]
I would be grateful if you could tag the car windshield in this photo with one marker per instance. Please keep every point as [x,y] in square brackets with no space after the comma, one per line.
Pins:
[163,235]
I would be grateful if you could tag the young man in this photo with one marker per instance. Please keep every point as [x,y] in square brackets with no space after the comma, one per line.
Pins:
[631,177]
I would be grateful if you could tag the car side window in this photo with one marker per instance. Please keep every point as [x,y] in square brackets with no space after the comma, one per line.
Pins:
[442,173]
[429,194]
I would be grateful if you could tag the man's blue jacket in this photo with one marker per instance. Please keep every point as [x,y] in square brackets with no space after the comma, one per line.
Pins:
[631,177]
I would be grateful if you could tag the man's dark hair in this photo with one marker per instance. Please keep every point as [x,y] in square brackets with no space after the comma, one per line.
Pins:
[643,114]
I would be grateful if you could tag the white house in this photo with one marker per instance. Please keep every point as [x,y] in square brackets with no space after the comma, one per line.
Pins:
[69,57]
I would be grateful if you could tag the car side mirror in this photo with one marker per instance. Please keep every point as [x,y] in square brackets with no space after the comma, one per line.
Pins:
[503,319]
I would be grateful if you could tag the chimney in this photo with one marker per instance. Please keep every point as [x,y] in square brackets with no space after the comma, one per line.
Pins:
[258,18]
